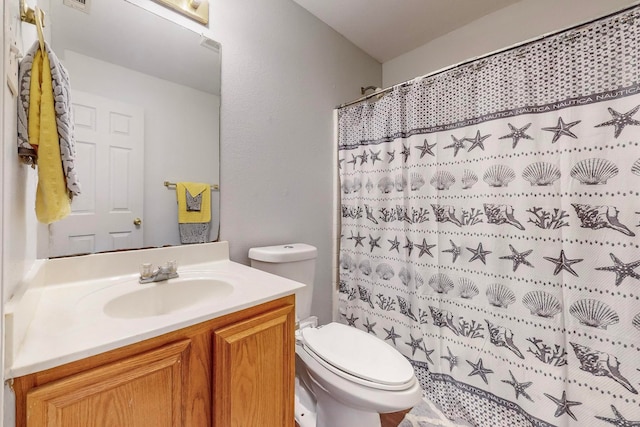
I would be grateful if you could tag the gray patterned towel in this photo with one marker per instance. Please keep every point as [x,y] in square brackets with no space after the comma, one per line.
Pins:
[194,203]
[194,232]
[64,115]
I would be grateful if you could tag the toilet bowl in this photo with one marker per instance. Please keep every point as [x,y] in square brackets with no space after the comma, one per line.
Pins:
[354,376]
[345,377]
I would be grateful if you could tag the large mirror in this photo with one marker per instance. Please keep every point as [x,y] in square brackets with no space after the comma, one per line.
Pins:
[146,101]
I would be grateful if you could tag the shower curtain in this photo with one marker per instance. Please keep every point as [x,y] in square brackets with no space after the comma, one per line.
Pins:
[489,221]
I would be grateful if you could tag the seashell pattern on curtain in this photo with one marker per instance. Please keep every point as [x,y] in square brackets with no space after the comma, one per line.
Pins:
[511,280]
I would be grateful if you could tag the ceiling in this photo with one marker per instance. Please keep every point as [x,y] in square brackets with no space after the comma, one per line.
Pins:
[127,35]
[386,29]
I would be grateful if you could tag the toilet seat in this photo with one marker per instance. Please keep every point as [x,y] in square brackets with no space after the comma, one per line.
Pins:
[359,357]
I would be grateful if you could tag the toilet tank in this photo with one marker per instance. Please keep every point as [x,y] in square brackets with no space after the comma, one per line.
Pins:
[295,261]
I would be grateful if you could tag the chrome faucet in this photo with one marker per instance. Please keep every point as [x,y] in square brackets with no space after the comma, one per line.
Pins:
[148,275]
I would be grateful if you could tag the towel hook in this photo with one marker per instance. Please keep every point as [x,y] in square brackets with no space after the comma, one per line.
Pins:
[39,26]
[28,14]
[33,16]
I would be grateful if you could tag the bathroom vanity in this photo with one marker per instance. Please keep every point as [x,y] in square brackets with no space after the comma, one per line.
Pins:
[219,361]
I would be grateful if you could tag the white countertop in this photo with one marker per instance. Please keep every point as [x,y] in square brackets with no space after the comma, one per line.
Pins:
[56,321]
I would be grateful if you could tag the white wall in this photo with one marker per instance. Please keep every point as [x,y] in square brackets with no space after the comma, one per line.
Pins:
[283,71]
[516,23]
[176,117]
[3,50]
[18,233]
[18,180]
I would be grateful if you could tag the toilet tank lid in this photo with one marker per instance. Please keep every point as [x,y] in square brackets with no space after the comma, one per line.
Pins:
[284,253]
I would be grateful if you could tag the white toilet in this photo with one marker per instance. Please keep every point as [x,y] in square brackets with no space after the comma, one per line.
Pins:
[345,377]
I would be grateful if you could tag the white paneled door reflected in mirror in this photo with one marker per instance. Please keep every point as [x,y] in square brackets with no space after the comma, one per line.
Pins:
[146,102]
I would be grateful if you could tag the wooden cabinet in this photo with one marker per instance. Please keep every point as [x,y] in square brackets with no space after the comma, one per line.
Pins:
[250,361]
[237,370]
[143,390]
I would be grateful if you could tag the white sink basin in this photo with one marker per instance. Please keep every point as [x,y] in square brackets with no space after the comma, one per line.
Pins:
[161,298]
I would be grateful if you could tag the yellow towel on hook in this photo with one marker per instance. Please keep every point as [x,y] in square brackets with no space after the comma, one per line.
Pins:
[52,199]
[194,188]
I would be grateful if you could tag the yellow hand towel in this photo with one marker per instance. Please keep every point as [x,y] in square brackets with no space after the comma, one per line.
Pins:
[194,188]
[52,200]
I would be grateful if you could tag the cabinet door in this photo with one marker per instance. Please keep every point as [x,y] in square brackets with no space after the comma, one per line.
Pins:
[143,391]
[254,371]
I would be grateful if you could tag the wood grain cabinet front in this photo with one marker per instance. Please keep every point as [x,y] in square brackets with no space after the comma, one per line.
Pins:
[143,391]
[254,367]
[236,370]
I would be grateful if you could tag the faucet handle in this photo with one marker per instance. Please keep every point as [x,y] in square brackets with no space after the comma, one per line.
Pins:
[146,270]
[172,266]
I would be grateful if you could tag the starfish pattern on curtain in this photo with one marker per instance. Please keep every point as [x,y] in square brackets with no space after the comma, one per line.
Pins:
[489,221]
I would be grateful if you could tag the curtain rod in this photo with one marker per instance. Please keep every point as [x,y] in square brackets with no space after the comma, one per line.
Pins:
[487,55]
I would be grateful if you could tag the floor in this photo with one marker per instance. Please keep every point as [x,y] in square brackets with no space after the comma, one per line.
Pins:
[393,419]
[390,420]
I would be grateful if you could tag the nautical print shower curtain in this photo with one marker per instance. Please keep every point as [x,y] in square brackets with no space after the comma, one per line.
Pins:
[490,220]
